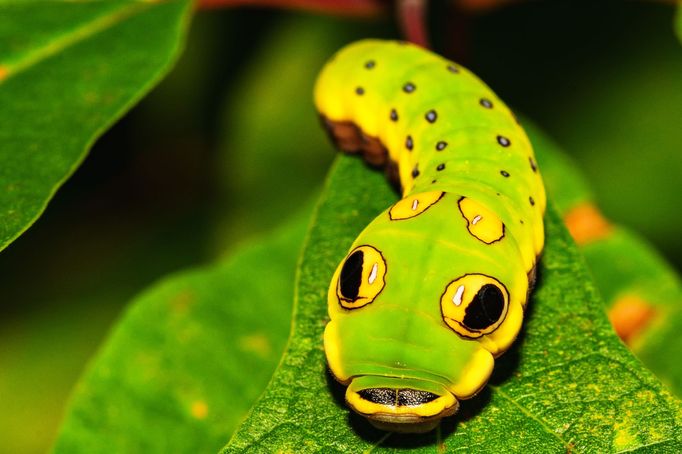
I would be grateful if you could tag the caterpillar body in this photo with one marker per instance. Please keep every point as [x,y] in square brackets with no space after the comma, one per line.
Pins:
[433,289]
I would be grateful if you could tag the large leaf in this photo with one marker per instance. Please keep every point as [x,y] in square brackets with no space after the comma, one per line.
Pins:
[567,385]
[68,70]
[190,357]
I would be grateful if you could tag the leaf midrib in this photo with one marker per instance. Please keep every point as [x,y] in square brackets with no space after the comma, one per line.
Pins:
[66,40]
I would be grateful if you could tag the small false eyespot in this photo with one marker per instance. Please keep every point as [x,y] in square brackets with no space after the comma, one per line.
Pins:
[361,277]
[474,305]
[482,223]
[414,205]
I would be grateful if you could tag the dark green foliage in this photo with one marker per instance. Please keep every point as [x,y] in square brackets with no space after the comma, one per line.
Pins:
[67,72]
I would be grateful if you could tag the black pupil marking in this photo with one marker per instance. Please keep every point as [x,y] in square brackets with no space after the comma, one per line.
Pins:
[351,276]
[503,141]
[409,87]
[532,202]
[431,116]
[485,309]
[440,146]
[360,90]
[408,142]
[401,397]
[486,103]
[440,167]
[504,173]
[394,115]
[370,64]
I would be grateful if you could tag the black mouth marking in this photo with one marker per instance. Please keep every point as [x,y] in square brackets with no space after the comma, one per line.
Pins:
[397,397]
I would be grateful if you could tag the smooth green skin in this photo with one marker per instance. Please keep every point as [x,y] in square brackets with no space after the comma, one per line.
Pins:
[567,384]
[46,125]
[210,335]
[387,336]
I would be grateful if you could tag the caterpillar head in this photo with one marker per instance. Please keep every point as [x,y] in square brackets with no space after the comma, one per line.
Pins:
[421,305]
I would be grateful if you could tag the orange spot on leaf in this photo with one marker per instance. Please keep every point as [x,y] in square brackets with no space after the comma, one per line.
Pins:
[199,409]
[629,316]
[3,73]
[586,224]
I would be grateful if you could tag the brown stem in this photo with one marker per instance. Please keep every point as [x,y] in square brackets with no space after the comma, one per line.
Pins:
[412,20]
[357,8]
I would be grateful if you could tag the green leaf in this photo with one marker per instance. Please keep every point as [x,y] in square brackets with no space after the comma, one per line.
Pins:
[190,356]
[623,265]
[68,70]
[568,384]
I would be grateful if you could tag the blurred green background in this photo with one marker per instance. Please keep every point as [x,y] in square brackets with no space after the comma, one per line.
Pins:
[229,144]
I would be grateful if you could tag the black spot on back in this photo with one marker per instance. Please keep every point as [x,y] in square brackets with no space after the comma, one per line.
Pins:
[394,115]
[370,64]
[504,173]
[440,167]
[533,166]
[486,103]
[503,141]
[453,69]
[409,144]
[415,171]
[351,276]
[440,146]
[409,87]
[431,116]
[532,201]
[360,91]
[485,309]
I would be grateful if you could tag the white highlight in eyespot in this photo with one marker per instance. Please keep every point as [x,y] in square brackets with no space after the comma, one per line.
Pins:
[415,204]
[457,298]
[476,219]
[373,273]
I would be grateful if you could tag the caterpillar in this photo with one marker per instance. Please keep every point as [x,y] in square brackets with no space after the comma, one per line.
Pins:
[434,288]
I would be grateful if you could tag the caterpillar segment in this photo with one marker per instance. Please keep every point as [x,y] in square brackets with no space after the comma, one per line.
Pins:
[434,288]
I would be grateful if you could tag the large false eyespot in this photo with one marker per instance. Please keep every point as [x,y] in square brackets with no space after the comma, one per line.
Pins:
[414,205]
[474,305]
[361,278]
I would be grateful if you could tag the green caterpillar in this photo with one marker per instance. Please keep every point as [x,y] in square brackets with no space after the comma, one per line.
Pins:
[435,287]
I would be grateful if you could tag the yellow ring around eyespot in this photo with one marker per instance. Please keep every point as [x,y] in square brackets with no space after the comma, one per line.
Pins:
[414,205]
[464,289]
[372,280]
